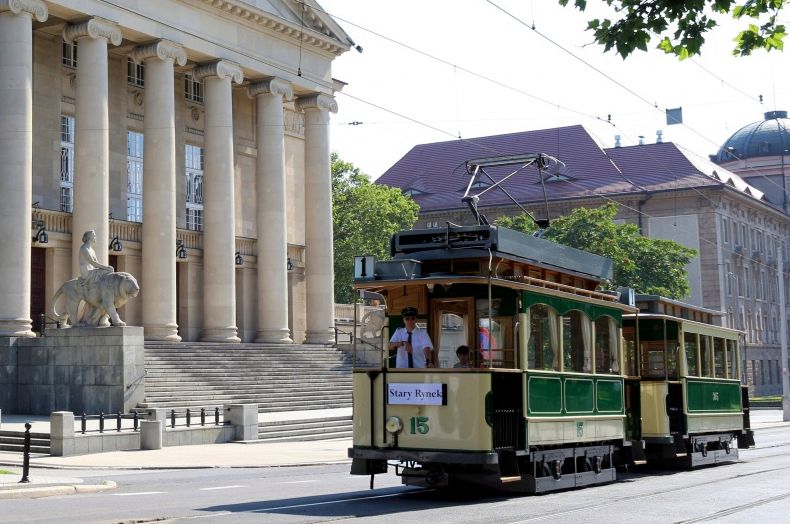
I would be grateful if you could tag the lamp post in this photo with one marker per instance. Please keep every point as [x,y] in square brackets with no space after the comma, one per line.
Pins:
[783,333]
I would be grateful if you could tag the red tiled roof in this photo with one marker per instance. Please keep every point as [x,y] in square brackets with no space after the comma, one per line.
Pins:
[438,170]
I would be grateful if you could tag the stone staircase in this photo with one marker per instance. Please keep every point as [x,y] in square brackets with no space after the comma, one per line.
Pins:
[15,441]
[277,378]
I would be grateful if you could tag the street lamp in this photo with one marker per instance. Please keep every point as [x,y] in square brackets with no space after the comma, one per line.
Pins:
[783,332]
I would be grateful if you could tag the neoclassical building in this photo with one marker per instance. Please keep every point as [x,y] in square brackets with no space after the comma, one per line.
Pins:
[739,229]
[193,137]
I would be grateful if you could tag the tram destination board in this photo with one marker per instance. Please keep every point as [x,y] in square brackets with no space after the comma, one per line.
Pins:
[410,394]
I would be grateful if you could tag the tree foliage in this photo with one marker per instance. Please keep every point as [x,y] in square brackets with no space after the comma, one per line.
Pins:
[682,25]
[651,266]
[364,215]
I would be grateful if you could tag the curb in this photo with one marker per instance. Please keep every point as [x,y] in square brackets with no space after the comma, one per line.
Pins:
[54,491]
[158,468]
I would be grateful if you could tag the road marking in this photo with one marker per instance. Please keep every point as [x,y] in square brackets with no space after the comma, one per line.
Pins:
[137,493]
[300,482]
[221,487]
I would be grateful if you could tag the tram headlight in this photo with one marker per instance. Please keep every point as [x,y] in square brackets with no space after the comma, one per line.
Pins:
[394,425]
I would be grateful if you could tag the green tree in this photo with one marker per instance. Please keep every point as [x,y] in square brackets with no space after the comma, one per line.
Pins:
[682,25]
[364,215]
[651,266]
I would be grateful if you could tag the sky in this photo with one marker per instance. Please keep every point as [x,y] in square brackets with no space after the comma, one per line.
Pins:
[434,70]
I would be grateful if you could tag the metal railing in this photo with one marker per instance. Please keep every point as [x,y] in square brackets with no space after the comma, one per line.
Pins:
[188,414]
[103,418]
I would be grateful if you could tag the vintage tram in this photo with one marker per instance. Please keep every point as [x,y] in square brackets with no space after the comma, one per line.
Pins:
[555,395]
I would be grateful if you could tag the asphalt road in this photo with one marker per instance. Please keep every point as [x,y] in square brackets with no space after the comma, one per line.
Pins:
[755,490]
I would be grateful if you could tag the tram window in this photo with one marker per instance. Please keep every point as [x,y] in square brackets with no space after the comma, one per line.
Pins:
[705,356]
[672,359]
[692,365]
[576,342]
[543,339]
[653,358]
[606,358]
[719,357]
[732,359]
[629,350]
[497,336]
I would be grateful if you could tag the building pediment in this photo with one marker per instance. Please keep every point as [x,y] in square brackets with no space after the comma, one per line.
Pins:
[301,20]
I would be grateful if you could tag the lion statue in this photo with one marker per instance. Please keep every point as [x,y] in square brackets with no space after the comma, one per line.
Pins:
[102,298]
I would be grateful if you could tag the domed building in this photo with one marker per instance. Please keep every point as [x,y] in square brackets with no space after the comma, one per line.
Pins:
[760,154]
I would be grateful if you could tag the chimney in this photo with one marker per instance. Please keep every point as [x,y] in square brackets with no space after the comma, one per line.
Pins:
[641,140]
[659,136]
[616,140]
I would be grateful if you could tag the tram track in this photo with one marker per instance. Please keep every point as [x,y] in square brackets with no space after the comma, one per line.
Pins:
[737,509]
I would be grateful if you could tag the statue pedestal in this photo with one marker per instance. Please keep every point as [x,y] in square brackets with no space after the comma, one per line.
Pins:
[82,370]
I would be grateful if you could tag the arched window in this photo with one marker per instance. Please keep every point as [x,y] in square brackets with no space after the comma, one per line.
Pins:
[576,342]
[543,343]
[607,358]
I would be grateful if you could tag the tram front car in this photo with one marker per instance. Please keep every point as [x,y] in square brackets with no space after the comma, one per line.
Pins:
[542,405]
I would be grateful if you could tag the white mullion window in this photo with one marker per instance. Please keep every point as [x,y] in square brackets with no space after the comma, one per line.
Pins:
[134,176]
[69,54]
[194,185]
[66,163]
[135,73]
[193,89]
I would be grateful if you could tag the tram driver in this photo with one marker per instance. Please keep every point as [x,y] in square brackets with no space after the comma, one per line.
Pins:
[414,346]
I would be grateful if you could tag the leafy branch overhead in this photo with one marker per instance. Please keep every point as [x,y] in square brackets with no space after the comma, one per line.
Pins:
[365,215]
[651,266]
[682,25]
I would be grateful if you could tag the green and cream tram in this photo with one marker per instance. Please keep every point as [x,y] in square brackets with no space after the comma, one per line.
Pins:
[686,403]
[565,382]
[543,405]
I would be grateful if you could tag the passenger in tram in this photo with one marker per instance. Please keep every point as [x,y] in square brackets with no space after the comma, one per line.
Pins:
[463,357]
[414,346]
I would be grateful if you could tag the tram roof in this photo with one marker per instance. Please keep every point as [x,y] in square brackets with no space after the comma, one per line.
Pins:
[482,241]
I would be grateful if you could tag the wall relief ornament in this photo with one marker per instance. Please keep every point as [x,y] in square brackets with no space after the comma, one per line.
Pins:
[93,28]
[35,8]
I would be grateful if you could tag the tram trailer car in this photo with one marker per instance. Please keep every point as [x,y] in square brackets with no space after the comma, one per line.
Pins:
[550,402]
[685,402]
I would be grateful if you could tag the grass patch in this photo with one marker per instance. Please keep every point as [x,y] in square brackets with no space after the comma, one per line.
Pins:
[772,398]
[6,472]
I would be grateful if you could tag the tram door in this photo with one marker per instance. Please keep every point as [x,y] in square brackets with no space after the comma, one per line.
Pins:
[453,321]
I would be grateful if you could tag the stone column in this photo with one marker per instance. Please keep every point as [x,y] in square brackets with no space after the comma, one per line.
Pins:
[159,189]
[16,161]
[92,135]
[272,246]
[319,271]
[219,229]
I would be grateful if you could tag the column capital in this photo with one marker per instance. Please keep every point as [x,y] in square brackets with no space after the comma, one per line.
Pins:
[273,86]
[34,8]
[162,49]
[220,69]
[93,28]
[317,101]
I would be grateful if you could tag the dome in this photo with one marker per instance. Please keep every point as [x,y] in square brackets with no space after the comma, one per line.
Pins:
[764,138]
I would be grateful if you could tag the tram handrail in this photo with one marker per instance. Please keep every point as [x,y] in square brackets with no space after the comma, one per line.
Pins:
[539,282]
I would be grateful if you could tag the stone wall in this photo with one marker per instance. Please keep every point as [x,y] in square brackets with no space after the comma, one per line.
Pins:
[88,370]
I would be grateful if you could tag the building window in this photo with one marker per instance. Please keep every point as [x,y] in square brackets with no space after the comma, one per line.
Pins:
[432,224]
[134,176]
[194,183]
[135,73]
[193,89]
[69,54]
[66,163]
[725,230]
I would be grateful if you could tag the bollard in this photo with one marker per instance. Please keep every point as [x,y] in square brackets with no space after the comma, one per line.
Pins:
[26,458]
[118,422]
[202,416]
[83,422]
[188,417]
[136,422]
[216,416]
[101,421]
[172,418]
